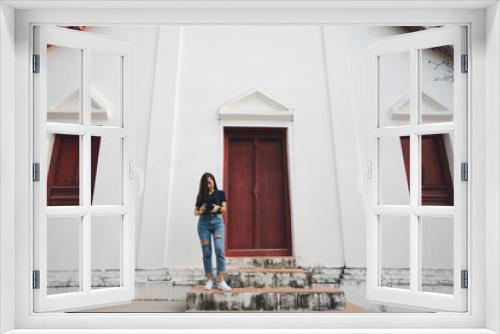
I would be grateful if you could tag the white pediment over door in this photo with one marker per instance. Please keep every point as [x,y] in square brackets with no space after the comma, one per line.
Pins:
[68,109]
[255,105]
[432,110]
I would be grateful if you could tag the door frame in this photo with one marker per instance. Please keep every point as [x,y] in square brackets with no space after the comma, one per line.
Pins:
[231,131]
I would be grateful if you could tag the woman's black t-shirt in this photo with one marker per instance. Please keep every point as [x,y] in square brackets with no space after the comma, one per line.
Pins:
[217,197]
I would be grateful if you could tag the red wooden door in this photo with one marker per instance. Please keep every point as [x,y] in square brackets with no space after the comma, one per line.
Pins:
[256,183]
[63,179]
[437,183]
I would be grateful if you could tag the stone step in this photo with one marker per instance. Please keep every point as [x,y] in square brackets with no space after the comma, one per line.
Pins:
[316,298]
[269,278]
[268,262]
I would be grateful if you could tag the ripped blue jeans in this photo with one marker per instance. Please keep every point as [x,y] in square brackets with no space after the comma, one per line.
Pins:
[208,225]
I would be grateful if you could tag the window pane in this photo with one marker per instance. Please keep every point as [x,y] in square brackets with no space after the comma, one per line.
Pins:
[436,84]
[436,170]
[394,170]
[394,251]
[106,250]
[107,170]
[64,72]
[394,86]
[63,174]
[106,89]
[437,254]
[63,254]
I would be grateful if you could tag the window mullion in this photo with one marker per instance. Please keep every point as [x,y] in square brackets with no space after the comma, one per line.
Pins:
[414,171]
[85,168]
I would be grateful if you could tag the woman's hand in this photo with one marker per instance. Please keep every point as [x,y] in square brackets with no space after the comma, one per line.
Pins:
[200,210]
[220,208]
[215,208]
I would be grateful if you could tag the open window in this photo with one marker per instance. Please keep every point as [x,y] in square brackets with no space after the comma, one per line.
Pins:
[417,185]
[72,213]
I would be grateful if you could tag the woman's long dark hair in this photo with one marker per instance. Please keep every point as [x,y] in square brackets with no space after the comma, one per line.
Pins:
[203,191]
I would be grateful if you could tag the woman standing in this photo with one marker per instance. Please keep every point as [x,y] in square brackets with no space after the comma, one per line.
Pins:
[210,204]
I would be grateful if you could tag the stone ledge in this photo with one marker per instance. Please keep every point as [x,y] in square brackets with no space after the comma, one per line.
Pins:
[268,278]
[60,281]
[251,262]
[267,270]
[314,289]
[318,298]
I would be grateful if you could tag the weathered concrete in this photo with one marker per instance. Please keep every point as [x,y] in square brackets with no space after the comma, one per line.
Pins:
[317,298]
[172,284]
[275,262]
[269,278]
[160,290]
[270,284]
[324,275]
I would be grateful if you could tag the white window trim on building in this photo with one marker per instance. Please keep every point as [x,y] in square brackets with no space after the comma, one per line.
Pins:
[16,218]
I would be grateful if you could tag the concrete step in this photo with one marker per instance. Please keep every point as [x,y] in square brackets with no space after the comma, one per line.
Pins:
[316,298]
[265,262]
[269,278]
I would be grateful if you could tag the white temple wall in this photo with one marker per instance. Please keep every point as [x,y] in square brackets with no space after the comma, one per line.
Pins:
[184,74]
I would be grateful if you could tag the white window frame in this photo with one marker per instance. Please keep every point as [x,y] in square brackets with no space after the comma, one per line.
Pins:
[88,44]
[484,126]
[413,44]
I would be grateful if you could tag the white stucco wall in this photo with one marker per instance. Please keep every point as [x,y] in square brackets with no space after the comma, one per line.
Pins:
[220,63]
[184,74]
[152,226]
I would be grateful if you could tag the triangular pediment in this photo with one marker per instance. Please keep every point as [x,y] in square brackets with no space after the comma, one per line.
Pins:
[68,108]
[431,109]
[253,105]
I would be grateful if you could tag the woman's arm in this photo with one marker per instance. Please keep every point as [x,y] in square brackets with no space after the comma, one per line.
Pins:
[199,210]
[222,208]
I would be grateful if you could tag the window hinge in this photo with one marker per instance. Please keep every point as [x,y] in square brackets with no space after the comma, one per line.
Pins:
[36,63]
[36,279]
[464,278]
[464,171]
[465,64]
[36,171]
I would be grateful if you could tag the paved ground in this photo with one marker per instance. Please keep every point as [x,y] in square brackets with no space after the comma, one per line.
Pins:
[145,306]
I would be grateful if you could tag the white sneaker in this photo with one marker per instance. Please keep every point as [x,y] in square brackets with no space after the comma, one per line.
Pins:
[208,285]
[224,287]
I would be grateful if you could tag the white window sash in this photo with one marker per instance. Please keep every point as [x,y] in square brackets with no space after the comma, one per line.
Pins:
[86,296]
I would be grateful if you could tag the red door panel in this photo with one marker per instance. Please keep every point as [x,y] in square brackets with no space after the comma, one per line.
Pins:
[256,181]
[271,193]
[437,183]
[241,215]
[64,172]
[63,179]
